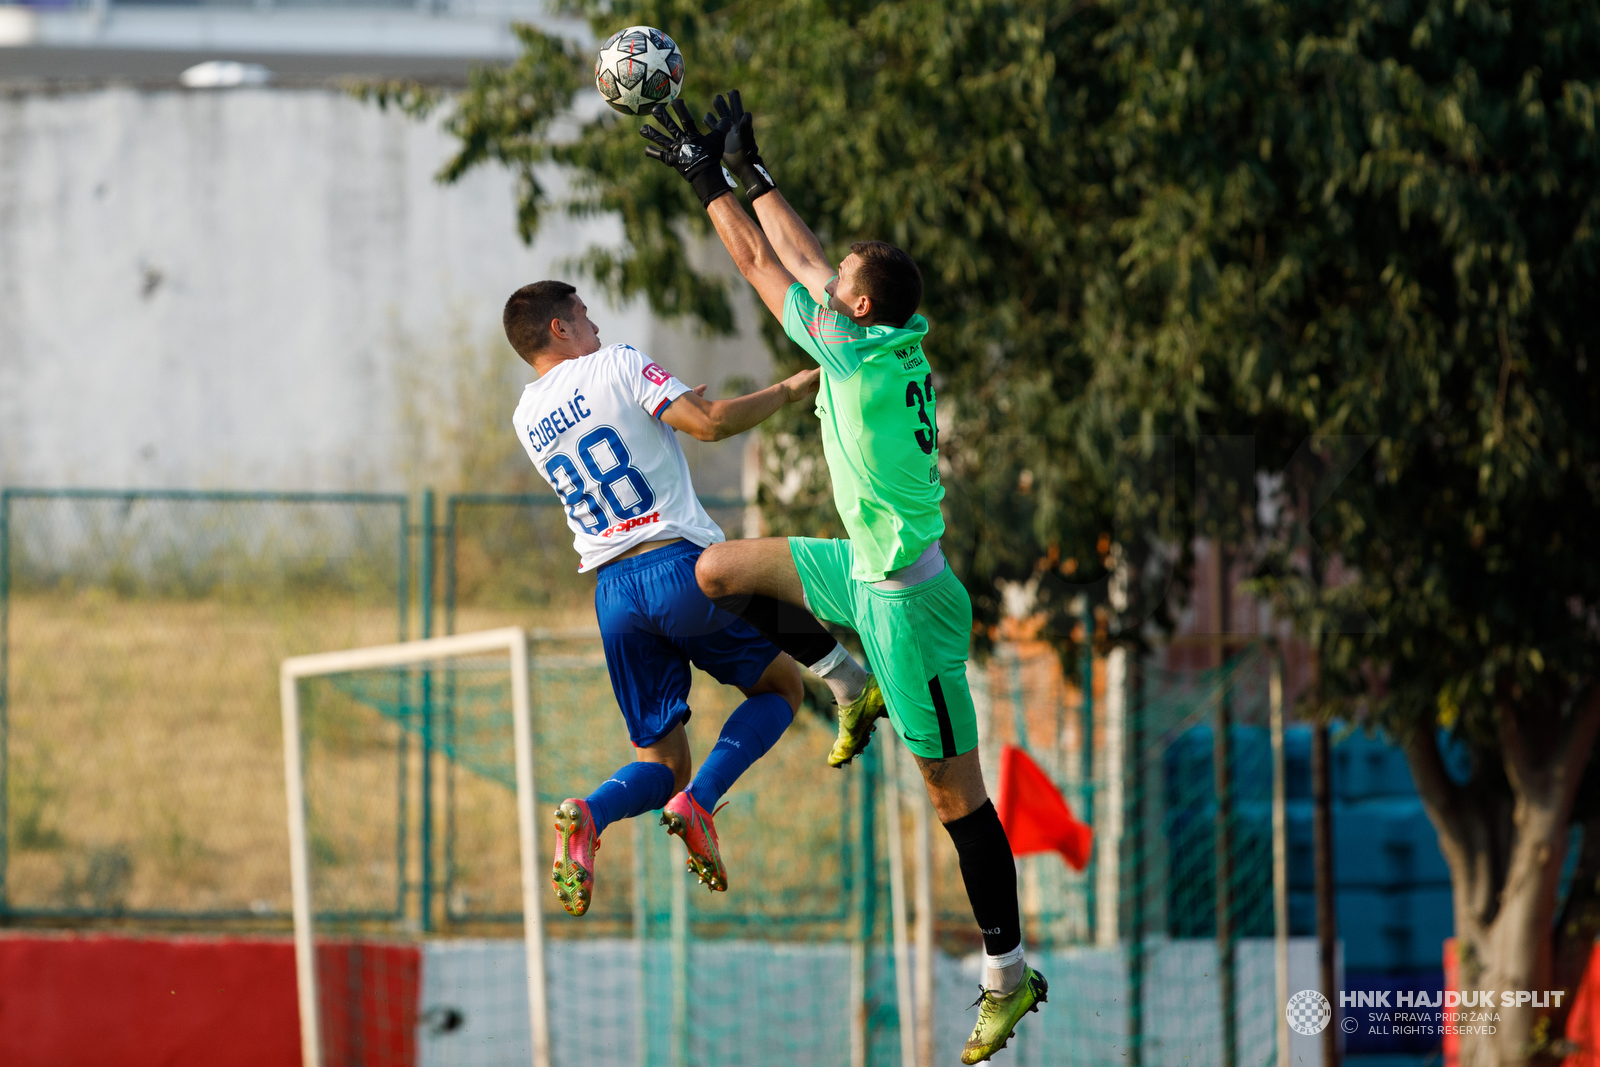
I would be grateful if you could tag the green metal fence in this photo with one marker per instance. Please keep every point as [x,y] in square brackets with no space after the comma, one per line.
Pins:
[140,633]
[139,638]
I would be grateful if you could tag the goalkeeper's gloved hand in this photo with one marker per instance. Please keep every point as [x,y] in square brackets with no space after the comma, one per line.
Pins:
[695,155]
[739,151]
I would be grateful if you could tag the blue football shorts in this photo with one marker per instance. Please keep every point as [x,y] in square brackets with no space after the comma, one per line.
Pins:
[655,622]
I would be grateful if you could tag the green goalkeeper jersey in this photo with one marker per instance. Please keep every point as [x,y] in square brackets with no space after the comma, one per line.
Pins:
[878,431]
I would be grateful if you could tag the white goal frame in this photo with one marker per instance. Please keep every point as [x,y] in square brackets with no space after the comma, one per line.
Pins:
[512,640]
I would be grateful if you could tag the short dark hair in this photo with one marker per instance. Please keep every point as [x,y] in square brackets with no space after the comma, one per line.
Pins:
[529,311]
[891,279]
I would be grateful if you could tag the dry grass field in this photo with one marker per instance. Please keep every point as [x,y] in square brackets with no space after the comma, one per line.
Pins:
[146,775]
[145,747]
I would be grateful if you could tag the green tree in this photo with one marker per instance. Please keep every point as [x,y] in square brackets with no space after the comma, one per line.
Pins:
[1360,235]
[1377,220]
[954,130]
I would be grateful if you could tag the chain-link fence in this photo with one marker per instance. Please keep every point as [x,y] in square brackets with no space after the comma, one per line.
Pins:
[1138,971]
[139,644]
[140,635]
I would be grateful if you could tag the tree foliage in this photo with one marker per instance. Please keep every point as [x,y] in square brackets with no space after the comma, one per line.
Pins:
[953,130]
[1310,278]
[1363,234]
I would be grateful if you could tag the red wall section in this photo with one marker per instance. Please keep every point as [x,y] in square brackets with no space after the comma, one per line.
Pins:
[369,1004]
[66,1001]
[146,1002]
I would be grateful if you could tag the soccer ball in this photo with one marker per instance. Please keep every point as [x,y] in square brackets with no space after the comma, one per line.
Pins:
[638,68]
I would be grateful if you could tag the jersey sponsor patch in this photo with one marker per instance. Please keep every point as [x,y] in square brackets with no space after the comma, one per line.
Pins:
[631,524]
[656,374]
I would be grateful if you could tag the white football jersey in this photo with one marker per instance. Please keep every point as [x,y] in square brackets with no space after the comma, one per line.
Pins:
[593,428]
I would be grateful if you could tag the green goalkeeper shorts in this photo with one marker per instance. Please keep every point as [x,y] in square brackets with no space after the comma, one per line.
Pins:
[916,641]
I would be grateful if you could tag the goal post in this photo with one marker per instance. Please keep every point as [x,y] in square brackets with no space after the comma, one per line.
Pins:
[514,642]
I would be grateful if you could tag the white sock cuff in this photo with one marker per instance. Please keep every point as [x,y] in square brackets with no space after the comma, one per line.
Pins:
[830,661]
[1001,962]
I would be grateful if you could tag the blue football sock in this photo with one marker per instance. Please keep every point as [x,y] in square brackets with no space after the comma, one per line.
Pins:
[752,729]
[633,790]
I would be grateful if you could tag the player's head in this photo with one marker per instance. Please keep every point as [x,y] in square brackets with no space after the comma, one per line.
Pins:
[878,284]
[549,318]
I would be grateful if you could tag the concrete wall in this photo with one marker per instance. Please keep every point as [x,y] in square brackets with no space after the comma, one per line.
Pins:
[266,289]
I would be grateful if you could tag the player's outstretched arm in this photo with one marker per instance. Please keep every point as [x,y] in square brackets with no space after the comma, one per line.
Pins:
[698,158]
[752,253]
[713,420]
[797,247]
[795,244]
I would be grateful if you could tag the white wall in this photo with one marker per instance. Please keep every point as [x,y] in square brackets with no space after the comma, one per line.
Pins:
[221,289]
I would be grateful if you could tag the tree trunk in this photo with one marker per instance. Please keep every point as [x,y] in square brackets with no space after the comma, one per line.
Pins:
[1504,836]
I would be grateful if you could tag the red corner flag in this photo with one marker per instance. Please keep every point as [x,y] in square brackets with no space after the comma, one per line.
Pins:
[1035,814]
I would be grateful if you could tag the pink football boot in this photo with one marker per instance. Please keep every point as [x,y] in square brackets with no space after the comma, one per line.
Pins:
[576,844]
[684,817]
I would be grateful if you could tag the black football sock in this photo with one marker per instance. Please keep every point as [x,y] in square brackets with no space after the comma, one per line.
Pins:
[791,628]
[990,874]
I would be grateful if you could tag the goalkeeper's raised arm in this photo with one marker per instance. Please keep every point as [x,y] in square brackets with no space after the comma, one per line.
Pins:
[797,247]
[697,157]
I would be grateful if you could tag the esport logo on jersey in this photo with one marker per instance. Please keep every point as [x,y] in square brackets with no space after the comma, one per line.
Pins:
[631,524]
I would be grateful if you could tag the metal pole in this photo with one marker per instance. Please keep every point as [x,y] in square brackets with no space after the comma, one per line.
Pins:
[1027,872]
[402,829]
[450,740]
[897,905]
[640,939]
[867,903]
[305,960]
[1222,758]
[425,566]
[527,832]
[402,822]
[1086,765]
[450,749]
[680,967]
[1019,715]
[1327,919]
[858,1003]
[452,507]
[1280,855]
[5,686]
[403,575]
[923,861]
[1134,713]
[1222,768]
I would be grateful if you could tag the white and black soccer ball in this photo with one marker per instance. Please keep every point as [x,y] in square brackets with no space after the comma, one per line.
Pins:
[638,68]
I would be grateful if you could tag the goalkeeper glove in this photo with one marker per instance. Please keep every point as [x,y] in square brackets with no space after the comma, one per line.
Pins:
[739,151]
[695,155]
